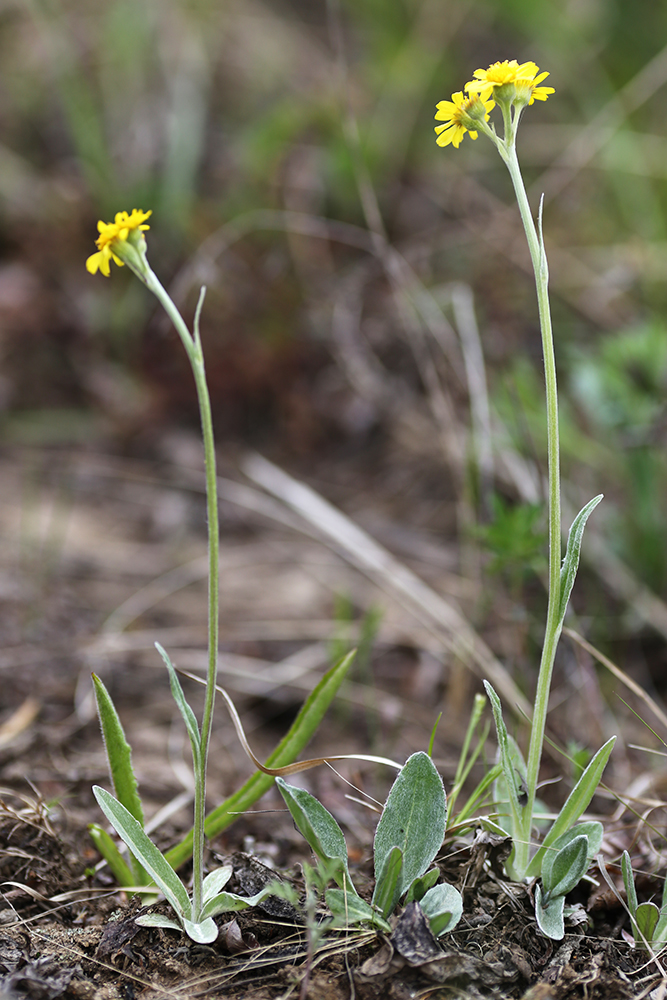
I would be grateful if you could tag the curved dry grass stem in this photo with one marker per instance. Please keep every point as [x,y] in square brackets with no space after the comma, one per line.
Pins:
[302,765]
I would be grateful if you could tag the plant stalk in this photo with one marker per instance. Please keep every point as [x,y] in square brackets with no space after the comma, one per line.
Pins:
[553,626]
[195,354]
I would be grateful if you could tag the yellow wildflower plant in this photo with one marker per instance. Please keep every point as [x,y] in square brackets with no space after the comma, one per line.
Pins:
[462,114]
[510,80]
[112,237]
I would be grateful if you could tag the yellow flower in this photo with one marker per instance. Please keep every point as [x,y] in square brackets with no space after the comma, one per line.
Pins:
[524,77]
[111,234]
[460,115]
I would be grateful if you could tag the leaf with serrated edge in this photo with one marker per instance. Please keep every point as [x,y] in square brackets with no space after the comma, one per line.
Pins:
[319,828]
[185,710]
[215,881]
[443,905]
[571,562]
[144,850]
[414,818]
[550,917]
[386,894]
[350,909]
[575,804]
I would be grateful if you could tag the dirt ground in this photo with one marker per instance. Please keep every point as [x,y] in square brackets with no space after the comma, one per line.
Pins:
[104,555]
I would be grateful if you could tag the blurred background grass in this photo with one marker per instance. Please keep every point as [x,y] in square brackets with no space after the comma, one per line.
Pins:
[278,142]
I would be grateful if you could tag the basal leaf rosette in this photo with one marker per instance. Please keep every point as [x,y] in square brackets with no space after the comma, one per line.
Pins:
[462,114]
[121,241]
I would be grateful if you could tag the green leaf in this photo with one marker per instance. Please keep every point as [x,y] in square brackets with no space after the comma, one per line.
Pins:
[386,893]
[115,860]
[575,804]
[158,920]
[351,909]
[414,818]
[660,932]
[319,828]
[185,710]
[571,562]
[565,869]
[145,851]
[226,902]
[647,917]
[443,905]
[510,761]
[215,881]
[550,916]
[290,746]
[119,753]
[629,883]
[203,931]
[421,885]
[593,831]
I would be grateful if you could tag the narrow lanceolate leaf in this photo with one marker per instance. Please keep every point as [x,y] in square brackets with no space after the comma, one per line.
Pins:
[349,908]
[115,860]
[414,818]
[300,732]
[660,932]
[629,883]
[550,916]
[575,804]
[319,828]
[119,753]
[443,905]
[158,920]
[144,851]
[387,887]
[185,710]
[507,755]
[571,562]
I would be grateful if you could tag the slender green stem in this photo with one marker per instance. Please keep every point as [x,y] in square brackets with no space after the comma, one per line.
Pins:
[195,354]
[553,628]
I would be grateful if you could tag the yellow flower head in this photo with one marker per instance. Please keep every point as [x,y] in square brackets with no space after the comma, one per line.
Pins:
[111,235]
[460,115]
[520,80]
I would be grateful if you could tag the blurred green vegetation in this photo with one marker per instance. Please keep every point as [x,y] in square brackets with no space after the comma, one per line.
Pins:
[206,112]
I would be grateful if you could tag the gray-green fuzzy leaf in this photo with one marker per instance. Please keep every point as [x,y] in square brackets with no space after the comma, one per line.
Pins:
[119,753]
[443,905]
[185,710]
[144,850]
[351,909]
[566,868]
[414,818]
[575,804]
[592,830]
[508,761]
[215,881]
[550,916]
[226,902]
[571,562]
[319,828]
[647,916]
[629,883]
[421,885]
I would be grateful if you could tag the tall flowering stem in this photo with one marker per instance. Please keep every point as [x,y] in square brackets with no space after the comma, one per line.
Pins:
[122,241]
[512,87]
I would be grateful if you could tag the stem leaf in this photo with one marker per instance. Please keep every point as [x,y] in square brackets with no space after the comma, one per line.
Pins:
[571,562]
[185,710]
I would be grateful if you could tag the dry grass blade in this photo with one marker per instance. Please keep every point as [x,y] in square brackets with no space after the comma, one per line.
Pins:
[390,575]
[303,765]
[19,721]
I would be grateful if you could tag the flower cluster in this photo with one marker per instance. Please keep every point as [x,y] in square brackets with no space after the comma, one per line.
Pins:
[112,236]
[505,83]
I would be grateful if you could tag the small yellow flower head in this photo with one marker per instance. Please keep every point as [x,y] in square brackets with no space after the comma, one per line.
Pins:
[460,115]
[114,239]
[511,82]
